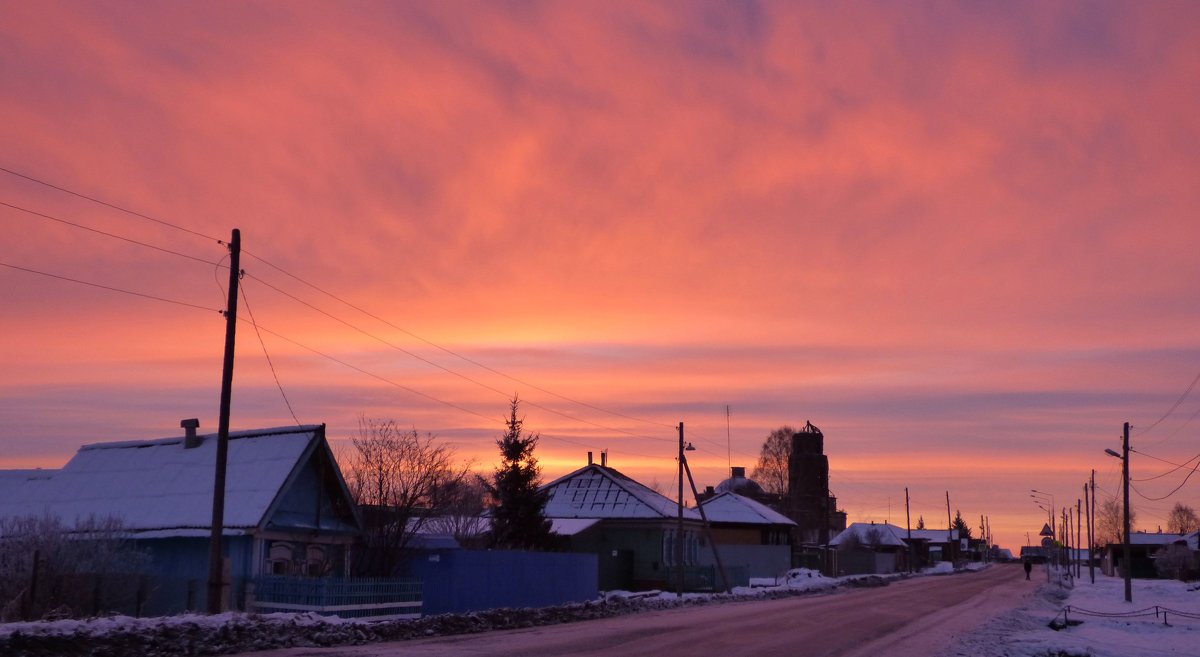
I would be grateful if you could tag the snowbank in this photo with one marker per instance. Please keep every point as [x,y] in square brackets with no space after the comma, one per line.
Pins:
[1138,632]
[237,632]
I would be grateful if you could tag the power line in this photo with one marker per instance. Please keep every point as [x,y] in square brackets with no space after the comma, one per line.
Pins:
[451,351]
[106,203]
[105,233]
[1173,491]
[1174,406]
[1159,476]
[110,288]
[447,369]
[337,298]
[463,357]
[415,391]
[246,301]
[286,339]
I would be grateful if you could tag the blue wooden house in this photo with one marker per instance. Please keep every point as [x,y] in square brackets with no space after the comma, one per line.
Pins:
[287,508]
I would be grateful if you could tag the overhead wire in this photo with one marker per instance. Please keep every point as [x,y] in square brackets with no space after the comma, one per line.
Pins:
[414,391]
[105,203]
[270,363]
[110,288]
[374,316]
[105,233]
[1187,391]
[341,300]
[448,370]
[1177,467]
[451,351]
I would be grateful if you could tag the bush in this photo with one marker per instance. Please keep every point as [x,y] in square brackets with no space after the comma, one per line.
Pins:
[48,568]
[1174,562]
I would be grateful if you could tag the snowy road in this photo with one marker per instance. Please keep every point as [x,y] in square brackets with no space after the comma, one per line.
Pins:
[915,617]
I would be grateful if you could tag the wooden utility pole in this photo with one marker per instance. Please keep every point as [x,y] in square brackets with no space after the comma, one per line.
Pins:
[908,525]
[949,529]
[983,535]
[1125,479]
[1078,535]
[1090,503]
[679,529]
[215,562]
[707,529]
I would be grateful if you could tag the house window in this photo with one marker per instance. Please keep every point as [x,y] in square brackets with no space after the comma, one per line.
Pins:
[317,561]
[279,558]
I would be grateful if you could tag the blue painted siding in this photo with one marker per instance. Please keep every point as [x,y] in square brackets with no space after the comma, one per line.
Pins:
[178,572]
[472,580]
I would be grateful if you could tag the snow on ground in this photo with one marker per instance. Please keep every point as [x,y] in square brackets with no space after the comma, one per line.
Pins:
[1026,632]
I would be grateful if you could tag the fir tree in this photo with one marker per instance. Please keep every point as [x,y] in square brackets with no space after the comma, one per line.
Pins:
[964,530]
[518,514]
[920,522]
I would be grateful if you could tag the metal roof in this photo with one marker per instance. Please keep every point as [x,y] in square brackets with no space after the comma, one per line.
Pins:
[596,491]
[731,507]
[161,486]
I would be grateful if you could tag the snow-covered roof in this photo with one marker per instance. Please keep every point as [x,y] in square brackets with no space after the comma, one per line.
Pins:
[596,491]
[731,507]
[1147,538]
[159,485]
[571,526]
[883,535]
[931,535]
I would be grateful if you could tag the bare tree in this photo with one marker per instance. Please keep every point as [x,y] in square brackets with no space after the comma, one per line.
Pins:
[874,537]
[461,516]
[1182,519]
[771,472]
[82,569]
[1110,522]
[400,479]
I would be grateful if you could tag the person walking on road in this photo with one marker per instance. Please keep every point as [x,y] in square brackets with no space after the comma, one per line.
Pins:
[1028,568]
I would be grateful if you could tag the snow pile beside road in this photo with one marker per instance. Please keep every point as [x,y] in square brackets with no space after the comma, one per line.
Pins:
[237,632]
[1025,631]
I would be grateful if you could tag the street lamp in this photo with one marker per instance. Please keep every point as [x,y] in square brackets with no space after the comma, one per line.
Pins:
[1050,511]
[1124,456]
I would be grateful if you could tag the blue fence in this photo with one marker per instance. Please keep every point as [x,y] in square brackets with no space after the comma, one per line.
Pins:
[348,598]
[473,580]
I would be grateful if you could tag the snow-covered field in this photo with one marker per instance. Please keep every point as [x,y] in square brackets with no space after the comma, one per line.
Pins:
[1026,632]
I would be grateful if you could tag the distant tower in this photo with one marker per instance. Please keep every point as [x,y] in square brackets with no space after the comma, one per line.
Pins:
[808,485]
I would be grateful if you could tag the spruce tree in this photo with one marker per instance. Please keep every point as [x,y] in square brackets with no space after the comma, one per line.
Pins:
[518,514]
[920,522]
[964,530]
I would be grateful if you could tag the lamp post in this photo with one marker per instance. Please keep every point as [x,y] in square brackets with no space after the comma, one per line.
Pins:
[1040,497]
[1124,456]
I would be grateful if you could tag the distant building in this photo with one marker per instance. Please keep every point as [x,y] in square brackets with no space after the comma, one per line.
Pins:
[1144,548]
[807,502]
[883,548]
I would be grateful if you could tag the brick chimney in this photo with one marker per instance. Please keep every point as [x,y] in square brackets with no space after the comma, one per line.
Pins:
[190,439]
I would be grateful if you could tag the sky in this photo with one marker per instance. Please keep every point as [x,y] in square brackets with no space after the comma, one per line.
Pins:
[960,238]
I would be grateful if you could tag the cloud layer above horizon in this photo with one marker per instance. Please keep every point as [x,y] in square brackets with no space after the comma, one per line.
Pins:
[961,239]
